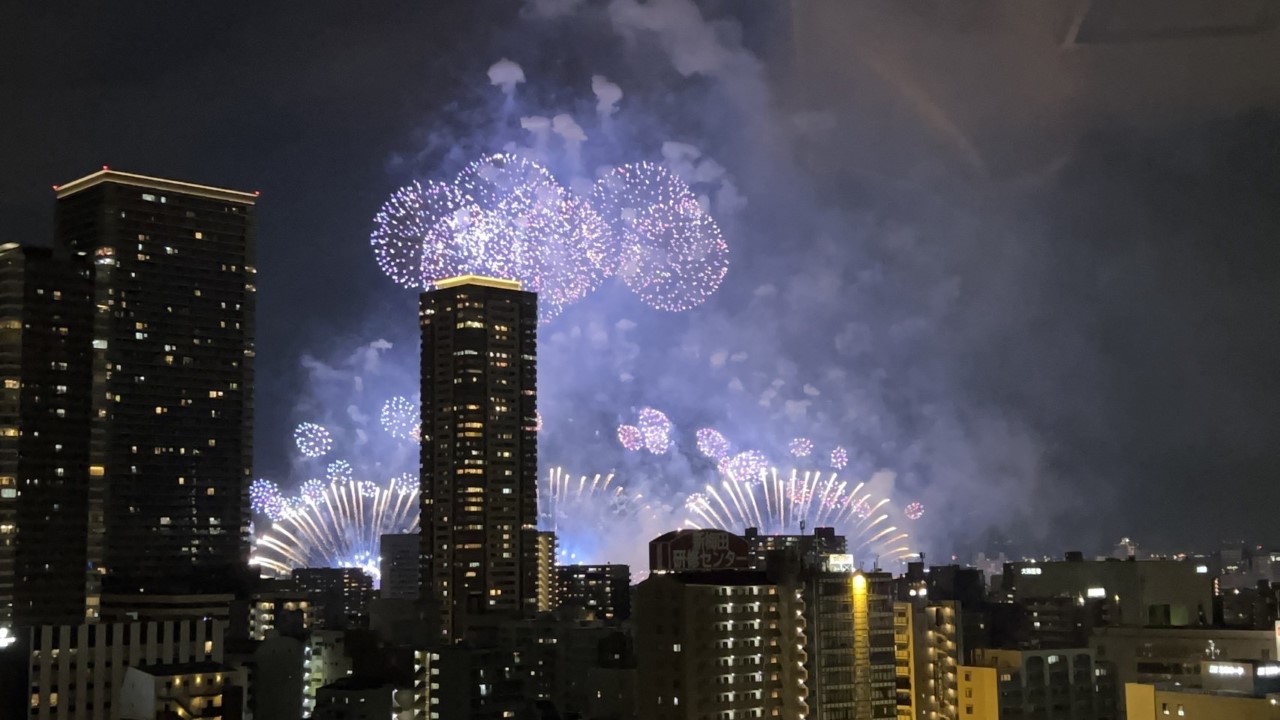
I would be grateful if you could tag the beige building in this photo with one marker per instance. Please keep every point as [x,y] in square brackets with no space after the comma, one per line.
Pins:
[720,644]
[979,693]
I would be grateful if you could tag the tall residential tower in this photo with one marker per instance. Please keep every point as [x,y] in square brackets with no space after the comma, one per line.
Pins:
[479,450]
[46,321]
[172,389]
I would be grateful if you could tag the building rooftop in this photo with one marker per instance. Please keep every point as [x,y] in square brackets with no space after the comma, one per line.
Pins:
[480,280]
[107,175]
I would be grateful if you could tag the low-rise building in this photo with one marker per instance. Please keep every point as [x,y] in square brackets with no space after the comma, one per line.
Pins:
[205,690]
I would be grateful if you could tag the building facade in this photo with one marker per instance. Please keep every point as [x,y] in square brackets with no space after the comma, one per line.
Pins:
[598,592]
[339,597]
[398,565]
[720,644]
[76,671]
[479,450]
[172,397]
[46,326]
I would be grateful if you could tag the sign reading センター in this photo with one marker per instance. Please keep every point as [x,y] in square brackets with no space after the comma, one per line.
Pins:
[697,550]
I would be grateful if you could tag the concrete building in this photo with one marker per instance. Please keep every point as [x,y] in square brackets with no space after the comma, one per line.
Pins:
[325,660]
[273,673]
[979,693]
[1046,684]
[339,596]
[1142,592]
[280,608]
[171,449]
[479,504]
[75,670]
[811,548]
[720,643]
[399,566]
[598,592]
[205,690]
[460,681]
[928,653]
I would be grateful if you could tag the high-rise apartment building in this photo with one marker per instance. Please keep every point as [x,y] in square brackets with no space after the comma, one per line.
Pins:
[172,395]
[46,322]
[715,638]
[479,451]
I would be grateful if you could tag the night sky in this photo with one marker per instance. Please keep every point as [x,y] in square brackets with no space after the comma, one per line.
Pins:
[1023,259]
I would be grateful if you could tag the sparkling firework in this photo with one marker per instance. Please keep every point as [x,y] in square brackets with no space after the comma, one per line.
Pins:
[671,253]
[265,498]
[411,237]
[312,440]
[655,427]
[341,528]
[914,511]
[712,444]
[631,438]
[584,509]
[563,497]
[399,417]
[746,467]
[311,491]
[800,447]
[522,224]
[340,471]
[779,504]
[839,458]
[506,216]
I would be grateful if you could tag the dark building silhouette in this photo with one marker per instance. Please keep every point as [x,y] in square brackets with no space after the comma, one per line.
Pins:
[46,325]
[479,450]
[172,396]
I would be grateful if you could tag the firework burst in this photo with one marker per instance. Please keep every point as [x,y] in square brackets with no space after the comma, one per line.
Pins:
[411,238]
[800,447]
[339,471]
[745,467]
[914,511]
[399,417]
[631,438]
[312,440]
[655,427]
[265,498]
[782,503]
[671,253]
[712,444]
[339,528]
[839,458]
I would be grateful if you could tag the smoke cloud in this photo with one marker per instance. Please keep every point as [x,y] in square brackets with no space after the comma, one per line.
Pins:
[926,263]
